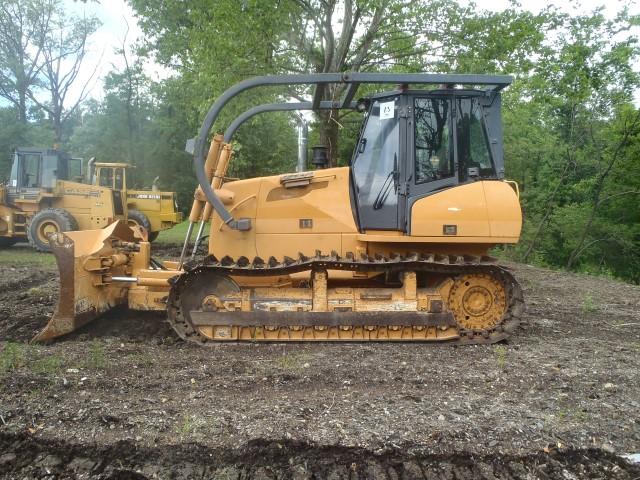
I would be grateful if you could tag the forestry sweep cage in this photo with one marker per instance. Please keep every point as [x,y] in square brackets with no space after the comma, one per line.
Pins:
[320,80]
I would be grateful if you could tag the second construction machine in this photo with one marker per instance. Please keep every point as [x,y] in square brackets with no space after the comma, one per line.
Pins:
[393,247]
[153,210]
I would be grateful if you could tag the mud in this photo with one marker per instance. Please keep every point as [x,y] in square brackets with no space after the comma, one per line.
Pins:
[291,460]
[125,398]
[27,299]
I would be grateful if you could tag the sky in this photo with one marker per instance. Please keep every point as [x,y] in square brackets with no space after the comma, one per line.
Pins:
[119,25]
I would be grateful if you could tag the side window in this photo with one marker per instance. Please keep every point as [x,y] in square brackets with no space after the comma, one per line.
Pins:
[473,145]
[49,171]
[31,170]
[106,177]
[75,168]
[434,152]
[376,163]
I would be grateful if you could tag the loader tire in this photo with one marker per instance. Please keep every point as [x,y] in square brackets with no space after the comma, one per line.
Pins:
[46,222]
[135,218]
[153,236]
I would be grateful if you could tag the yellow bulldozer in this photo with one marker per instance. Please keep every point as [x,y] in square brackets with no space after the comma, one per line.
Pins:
[151,209]
[45,195]
[393,247]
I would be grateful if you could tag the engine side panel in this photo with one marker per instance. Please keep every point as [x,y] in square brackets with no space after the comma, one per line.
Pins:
[485,211]
[287,220]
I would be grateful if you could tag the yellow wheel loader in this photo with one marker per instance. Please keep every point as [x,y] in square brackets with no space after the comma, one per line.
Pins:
[151,209]
[393,247]
[45,195]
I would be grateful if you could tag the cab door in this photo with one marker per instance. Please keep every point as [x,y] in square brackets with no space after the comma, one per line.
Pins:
[113,178]
[26,175]
[119,190]
[431,146]
[378,171]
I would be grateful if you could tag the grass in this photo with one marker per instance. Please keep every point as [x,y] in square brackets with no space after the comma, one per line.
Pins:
[141,359]
[589,304]
[36,292]
[49,365]
[189,425]
[292,361]
[176,234]
[18,255]
[14,356]
[501,355]
[96,360]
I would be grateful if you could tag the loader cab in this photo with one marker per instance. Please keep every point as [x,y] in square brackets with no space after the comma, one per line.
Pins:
[34,170]
[113,176]
[415,143]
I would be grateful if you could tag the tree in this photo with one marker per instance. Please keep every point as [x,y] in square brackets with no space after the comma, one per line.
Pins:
[64,51]
[24,25]
[576,87]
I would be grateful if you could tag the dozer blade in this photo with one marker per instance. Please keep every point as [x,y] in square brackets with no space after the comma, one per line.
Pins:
[84,258]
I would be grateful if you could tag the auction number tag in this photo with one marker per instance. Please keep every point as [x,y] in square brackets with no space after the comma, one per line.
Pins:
[387,110]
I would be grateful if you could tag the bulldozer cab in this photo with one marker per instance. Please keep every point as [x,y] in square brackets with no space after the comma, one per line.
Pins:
[414,143]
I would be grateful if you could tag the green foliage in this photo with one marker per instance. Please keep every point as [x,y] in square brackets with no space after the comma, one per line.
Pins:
[26,256]
[96,358]
[12,357]
[589,304]
[570,137]
[48,365]
[571,129]
[501,356]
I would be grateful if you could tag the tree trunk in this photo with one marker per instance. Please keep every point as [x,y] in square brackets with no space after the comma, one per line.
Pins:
[22,107]
[329,134]
[599,188]
[549,209]
[56,119]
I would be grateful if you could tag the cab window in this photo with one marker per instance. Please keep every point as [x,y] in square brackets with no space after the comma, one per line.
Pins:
[375,165]
[50,164]
[30,170]
[473,144]
[105,177]
[433,142]
[119,179]
[75,168]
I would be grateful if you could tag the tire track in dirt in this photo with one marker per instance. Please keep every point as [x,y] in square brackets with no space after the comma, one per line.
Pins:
[30,457]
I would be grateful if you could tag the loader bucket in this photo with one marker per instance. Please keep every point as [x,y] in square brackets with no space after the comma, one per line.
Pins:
[83,294]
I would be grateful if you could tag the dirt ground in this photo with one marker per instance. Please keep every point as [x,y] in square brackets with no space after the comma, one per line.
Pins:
[125,398]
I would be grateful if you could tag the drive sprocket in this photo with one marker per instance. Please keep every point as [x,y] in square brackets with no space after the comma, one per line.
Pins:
[478,301]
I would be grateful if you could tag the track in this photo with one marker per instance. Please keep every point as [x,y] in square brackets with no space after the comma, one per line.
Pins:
[197,276]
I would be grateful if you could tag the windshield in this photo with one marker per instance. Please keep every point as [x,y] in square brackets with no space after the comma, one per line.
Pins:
[106,177]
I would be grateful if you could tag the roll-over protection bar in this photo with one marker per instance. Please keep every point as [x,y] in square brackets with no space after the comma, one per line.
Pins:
[354,80]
